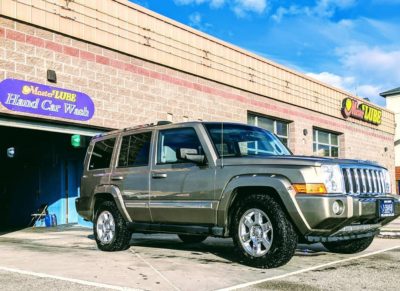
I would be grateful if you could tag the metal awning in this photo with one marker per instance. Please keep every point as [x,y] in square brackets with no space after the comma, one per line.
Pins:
[48,126]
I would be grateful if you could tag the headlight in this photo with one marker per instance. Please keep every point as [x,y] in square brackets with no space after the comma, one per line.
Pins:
[387,181]
[332,178]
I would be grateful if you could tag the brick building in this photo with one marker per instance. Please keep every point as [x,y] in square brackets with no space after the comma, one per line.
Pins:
[119,65]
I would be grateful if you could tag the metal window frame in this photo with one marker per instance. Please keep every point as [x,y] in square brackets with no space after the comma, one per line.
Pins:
[256,116]
[329,144]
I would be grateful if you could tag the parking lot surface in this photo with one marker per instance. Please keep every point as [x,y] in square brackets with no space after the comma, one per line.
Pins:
[66,258]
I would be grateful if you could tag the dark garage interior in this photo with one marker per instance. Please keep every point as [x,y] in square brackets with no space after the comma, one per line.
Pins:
[38,168]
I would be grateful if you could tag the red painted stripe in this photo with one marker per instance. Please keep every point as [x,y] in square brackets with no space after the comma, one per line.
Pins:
[2,32]
[87,56]
[102,60]
[18,36]
[15,35]
[54,46]
[35,41]
[73,52]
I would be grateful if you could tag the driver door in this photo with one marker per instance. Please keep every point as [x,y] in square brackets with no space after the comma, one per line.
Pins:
[181,191]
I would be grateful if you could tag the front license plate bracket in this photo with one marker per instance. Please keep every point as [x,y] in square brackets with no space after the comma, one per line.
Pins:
[386,208]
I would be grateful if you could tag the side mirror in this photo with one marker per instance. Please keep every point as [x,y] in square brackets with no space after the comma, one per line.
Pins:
[198,159]
[191,155]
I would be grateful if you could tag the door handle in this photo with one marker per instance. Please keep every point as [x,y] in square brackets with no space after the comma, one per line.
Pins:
[117,178]
[159,175]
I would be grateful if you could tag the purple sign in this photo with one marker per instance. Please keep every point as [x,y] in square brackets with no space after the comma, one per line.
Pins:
[22,96]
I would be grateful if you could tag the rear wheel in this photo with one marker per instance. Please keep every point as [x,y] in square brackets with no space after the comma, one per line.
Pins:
[191,239]
[262,233]
[110,229]
[349,246]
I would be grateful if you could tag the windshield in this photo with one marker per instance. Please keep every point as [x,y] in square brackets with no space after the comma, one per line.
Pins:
[239,140]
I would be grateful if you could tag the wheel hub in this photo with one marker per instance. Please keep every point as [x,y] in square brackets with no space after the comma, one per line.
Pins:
[105,227]
[257,231]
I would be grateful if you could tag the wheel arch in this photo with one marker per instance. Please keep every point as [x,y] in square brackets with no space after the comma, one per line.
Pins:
[278,187]
[109,193]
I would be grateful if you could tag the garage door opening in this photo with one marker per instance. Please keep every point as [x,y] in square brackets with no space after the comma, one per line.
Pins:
[38,168]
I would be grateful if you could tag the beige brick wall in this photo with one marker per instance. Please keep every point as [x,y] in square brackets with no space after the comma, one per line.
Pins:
[132,29]
[128,91]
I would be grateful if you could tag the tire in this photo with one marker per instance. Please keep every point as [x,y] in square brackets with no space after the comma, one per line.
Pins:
[349,246]
[110,229]
[274,233]
[192,239]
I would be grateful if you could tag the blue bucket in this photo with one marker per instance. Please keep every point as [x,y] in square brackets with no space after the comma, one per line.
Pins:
[47,220]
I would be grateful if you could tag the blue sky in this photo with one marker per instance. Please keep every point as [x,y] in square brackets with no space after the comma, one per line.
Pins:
[351,44]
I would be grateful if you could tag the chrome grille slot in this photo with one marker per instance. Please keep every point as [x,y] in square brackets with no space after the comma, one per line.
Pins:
[361,180]
[357,180]
[369,181]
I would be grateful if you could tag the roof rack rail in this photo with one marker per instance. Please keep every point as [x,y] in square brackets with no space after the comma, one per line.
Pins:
[139,126]
[164,122]
[161,122]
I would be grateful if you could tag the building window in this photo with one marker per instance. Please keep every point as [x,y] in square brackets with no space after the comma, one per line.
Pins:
[325,143]
[279,127]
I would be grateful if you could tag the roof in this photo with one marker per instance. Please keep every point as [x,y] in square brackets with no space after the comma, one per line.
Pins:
[163,124]
[394,91]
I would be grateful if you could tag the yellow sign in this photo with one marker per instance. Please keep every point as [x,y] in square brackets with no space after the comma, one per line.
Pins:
[362,111]
[56,94]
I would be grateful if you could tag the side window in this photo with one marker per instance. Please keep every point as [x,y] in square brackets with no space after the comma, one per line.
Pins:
[101,155]
[173,143]
[135,150]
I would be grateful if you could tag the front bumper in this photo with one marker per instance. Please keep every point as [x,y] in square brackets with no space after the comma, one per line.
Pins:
[359,215]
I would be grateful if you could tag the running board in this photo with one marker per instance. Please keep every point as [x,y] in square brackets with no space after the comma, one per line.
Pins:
[176,228]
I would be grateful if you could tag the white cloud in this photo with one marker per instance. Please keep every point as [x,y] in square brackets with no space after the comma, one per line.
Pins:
[351,85]
[333,80]
[368,71]
[322,8]
[372,63]
[241,7]
[187,2]
[217,3]
[213,3]
[370,91]
[196,21]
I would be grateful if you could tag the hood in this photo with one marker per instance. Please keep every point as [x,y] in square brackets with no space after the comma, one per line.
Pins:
[294,161]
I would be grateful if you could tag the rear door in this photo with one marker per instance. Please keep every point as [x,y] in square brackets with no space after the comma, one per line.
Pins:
[131,173]
[98,167]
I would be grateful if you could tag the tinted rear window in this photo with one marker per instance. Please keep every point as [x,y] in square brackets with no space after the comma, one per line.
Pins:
[102,153]
[135,150]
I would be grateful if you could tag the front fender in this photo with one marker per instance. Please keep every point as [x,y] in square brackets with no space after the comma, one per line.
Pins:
[116,193]
[280,184]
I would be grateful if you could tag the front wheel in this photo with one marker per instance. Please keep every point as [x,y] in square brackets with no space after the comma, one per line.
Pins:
[349,246]
[110,229]
[262,234]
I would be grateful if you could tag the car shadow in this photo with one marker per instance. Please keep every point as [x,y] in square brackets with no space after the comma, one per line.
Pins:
[222,248]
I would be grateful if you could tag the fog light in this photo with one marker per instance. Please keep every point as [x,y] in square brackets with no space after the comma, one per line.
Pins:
[337,207]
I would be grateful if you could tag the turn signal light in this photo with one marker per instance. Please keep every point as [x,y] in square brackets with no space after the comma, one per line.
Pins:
[310,188]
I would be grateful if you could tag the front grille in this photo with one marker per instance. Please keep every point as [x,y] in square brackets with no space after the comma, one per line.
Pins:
[363,181]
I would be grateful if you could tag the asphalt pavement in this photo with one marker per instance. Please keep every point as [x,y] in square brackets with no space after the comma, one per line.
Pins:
[66,258]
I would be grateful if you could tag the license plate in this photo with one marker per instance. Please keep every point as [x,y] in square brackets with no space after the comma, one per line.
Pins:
[386,208]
